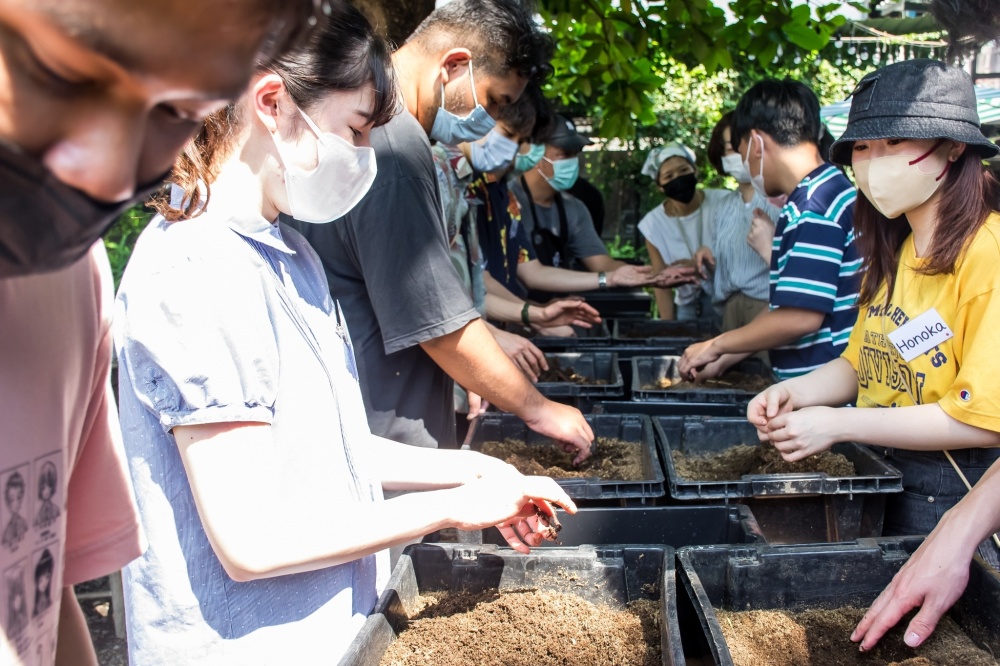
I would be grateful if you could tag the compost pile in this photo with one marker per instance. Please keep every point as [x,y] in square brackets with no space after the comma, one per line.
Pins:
[557,373]
[610,459]
[733,463]
[526,628]
[738,381]
[822,638]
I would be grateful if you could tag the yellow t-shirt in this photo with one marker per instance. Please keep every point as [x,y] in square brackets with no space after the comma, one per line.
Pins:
[962,374]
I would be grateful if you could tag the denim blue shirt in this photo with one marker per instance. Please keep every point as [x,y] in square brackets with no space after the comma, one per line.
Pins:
[227,318]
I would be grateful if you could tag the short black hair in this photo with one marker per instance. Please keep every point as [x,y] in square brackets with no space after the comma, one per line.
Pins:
[530,115]
[501,34]
[716,145]
[787,110]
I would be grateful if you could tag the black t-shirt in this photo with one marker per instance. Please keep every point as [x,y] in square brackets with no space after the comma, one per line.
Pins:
[387,262]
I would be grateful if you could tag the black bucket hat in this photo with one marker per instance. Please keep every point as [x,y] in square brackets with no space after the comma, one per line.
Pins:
[915,99]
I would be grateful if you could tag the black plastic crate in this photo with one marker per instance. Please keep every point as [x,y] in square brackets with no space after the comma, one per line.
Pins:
[627,427]
[790,508]
[674,526]
[647,370]
[620,302]
[613,575]
[795,578]
[598,335]
[593,365]
[654,409]
[660,332]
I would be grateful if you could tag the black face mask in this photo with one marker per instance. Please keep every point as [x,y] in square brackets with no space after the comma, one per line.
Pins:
[45,224]
[681,188]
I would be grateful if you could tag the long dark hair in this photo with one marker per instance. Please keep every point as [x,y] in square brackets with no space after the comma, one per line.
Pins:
[343,53]
[968,196]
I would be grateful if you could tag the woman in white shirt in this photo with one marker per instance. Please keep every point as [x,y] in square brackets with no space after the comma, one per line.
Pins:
[677,228]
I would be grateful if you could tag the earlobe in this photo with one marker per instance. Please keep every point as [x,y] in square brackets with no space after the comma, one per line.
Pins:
[956,150]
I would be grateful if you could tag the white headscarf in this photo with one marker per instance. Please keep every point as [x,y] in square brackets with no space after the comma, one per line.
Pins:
[661,154]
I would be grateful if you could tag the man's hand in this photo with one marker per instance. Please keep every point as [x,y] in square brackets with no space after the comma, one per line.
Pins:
[696,357]
[806,432]
[525,355]
[704,261]
[564,312]
[630,276]
[761,236]
[567,426]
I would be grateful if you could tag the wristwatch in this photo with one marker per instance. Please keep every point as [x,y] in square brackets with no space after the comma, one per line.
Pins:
[602,280]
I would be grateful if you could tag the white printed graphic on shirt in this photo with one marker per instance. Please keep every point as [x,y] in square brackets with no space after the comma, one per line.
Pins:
[32,514]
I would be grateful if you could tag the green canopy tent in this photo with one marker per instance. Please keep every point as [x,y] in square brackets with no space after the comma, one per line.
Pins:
[835,115]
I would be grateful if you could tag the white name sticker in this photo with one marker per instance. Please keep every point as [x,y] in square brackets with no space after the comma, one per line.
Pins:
[920,334]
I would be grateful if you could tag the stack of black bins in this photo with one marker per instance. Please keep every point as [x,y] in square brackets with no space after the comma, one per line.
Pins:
[648,370]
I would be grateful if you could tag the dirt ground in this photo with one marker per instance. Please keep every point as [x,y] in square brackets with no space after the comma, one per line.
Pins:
[111,650]
[821,638]
[611,459]
[522,628]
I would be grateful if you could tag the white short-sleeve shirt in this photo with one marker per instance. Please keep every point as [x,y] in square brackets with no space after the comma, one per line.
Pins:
[227,317]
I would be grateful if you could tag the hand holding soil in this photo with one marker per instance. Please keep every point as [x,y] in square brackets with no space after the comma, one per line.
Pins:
[805,432]
[512,502]
[697,356]
[566,426]
[766,405]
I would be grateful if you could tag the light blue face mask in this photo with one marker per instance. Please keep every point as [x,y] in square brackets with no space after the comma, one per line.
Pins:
[526,161]
[451,130]
[496,152]
[564,173]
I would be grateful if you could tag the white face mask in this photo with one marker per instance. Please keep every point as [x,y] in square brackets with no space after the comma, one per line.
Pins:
[758,180]
[495,152]
[341,178]
[733,165]
[895,184]
[452,130]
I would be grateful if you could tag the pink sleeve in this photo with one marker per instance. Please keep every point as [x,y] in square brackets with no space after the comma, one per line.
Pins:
[102,527]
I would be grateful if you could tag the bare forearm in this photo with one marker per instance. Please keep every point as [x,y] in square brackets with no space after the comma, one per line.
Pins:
[549,278]
[976,516]
[664,302]
[473,358]
[769,330]
[73,645]
[833,385]
[404,467]
[916,428]
[602,262]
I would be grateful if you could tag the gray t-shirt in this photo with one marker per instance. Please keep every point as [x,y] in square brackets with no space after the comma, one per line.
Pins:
[388,265]
[583,240]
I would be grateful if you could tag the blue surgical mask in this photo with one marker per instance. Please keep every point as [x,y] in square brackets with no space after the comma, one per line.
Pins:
[564,173]
[451,130]
[526,161]
[495,152]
